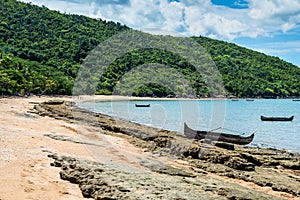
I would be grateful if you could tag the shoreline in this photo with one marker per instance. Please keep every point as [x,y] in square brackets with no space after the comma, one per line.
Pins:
[84,98]
[57,143]
[108,98]
[226,160]
[133,98]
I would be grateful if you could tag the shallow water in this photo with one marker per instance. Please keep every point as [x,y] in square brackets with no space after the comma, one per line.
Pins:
[235,117]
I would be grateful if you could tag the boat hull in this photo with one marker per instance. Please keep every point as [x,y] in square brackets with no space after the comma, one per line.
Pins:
[282,119]
[142,105]
[215,136]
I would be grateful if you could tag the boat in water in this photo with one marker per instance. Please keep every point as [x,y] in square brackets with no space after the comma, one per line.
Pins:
[215,136]
[142,105]
[282,119]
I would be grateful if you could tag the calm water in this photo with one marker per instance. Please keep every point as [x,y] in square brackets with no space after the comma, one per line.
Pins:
[237,117]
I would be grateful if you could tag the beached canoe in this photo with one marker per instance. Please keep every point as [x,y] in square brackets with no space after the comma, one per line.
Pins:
[142,105]
[224,137]
[282,119]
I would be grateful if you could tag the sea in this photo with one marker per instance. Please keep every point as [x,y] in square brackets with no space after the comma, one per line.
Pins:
[240,117]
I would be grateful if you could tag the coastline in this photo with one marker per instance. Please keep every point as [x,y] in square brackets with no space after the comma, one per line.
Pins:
[33,138]
[258,141]
[84,98]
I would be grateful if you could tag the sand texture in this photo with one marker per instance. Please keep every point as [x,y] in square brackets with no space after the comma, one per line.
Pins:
[58,151]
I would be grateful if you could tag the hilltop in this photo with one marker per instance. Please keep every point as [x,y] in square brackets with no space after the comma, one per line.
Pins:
[49,44]
[41,51]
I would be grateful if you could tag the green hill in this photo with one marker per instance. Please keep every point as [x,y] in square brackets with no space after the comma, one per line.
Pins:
[42,50]
[56,42]
[249,73]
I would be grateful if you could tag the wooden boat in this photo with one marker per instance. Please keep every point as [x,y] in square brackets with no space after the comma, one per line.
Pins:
[142,105]
[224,137]
[283,119]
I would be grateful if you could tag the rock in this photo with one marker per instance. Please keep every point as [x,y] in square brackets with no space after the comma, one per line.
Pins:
[251,159]
[71,175]
[240,164]
[166,169]
[90,188]
[235,161]
[162,140]
[291,165]
[104,197]
[57,164]
[271,163]
[54,102]
[219,158]
[192,151]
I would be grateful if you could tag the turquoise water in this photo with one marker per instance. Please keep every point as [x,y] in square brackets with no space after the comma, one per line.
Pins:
[235,117]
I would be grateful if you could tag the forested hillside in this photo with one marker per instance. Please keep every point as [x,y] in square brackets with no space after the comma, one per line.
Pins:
[57,42]
[250,73]
[41,51]
[23,77]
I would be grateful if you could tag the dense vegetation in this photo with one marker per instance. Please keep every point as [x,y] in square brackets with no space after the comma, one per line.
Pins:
[163,84]
[41,51]
[250,73]
[23,77]
[57,42]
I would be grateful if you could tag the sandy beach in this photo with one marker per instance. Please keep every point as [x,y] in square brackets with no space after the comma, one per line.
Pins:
[25,168]
[28,138]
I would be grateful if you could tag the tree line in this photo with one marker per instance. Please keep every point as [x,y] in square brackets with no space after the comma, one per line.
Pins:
[42,50]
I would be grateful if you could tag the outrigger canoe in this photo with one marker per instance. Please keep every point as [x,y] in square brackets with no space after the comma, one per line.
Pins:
[224,137]
[142,105]
[282,119]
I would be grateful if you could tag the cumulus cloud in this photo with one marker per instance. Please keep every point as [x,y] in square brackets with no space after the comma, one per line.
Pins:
[275,15]
[268,9]
[250,18]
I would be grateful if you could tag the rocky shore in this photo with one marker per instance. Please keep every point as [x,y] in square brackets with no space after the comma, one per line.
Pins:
[166,165]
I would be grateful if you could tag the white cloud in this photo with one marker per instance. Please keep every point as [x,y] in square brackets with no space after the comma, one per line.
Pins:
[267,9]
[287,26]
[171,11]
[191,17]
[275,15]
[136,14]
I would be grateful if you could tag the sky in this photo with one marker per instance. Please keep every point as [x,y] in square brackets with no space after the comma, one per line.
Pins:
[268,26]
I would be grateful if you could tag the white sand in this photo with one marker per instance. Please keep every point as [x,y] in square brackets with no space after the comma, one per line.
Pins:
[24,166]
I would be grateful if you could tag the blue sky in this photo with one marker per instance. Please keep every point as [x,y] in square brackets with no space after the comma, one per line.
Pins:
[268,26]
